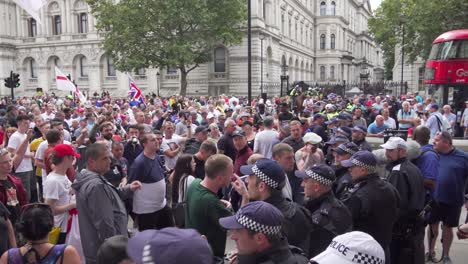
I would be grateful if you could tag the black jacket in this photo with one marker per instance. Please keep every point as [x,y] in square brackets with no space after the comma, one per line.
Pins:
[363,145]
[408,181]
[374,204]
[297,223]
[279,253]
[342,182]
[330,217]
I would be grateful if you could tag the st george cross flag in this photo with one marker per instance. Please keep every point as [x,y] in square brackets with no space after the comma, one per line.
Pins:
[135,92]
[64,84]
[32,7]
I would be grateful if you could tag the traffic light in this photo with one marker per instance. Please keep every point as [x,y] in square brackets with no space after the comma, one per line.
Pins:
[8,82]
[16,80]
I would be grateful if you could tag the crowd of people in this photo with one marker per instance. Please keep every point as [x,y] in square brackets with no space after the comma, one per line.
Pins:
[115,181]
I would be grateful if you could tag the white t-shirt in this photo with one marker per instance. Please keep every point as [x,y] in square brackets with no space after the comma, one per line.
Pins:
[57,187]
[171,144]
[15,141]
[48,117]
[264,142]
[150,198]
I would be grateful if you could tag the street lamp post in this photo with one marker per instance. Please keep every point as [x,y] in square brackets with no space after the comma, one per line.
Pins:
[157,82]
[403,20]
[249,52]
[262,37]
[284,77]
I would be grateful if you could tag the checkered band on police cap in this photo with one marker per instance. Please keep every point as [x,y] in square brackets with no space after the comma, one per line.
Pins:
[367,259]
[317,177]
[345,149]
[362,164]
[262,176]
[257,227]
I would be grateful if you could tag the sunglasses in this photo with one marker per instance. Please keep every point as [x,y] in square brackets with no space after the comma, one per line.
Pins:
[30,206]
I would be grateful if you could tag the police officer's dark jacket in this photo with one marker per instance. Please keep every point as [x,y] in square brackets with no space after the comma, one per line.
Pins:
[330,217]
[297,221]
[409,182]
[279,253]
[342,182]
[363,145]
[373,203]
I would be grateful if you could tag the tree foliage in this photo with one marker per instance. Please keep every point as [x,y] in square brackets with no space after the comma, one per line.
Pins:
[167,33]
[424,20]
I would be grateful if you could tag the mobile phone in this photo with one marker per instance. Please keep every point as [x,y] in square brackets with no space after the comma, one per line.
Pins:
[32,125]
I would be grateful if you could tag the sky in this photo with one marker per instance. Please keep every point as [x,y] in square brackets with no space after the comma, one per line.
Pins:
[375,3]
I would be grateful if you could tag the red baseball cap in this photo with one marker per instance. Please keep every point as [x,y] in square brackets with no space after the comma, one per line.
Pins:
[369,103]
[62,150]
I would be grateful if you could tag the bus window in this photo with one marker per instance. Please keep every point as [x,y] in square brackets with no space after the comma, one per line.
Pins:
[434,51]
[462,49]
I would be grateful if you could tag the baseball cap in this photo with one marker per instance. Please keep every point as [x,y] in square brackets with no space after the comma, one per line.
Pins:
[369,103]
[210,115]
[62,150]
[337,139]
[201,129]
[362,158]
[113,250]
[331,121]
[394,143]
[170,246]
[312,138]
[258,216]
[322,173]
[360,248]
[361,129]
[347,148]
[238,133]
[269,171]
[317,116]
[435,106]
[345,131]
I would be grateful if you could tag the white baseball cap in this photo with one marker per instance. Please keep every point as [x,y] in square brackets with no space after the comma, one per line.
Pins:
[312,138]
[352,247]
[394,143]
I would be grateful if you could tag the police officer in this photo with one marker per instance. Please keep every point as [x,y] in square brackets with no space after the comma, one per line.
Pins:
[343,177]
[408,232]
[265,181]
[330,217]
[359,138]
[256,229]
[372,201]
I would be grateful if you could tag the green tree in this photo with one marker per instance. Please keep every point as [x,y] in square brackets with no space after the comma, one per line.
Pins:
[423,20]
[167,33]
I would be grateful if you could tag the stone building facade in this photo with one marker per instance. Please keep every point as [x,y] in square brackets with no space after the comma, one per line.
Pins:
[318,41]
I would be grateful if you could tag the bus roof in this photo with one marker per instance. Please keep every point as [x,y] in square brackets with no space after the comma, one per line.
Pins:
[451,35]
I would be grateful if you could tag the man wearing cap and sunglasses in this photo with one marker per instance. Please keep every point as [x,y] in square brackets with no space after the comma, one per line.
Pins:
[343,177]
[265,181]
[359,138]
[256,230]
[373,202]
[330,217]
[408,232]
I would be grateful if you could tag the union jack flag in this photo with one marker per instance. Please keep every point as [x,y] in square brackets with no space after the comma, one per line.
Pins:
[134,92]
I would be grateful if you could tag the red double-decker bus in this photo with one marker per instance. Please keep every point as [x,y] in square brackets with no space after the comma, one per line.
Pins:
[446,74]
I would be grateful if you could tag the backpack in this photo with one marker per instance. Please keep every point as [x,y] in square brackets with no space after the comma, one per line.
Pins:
[443,124]
[15,257]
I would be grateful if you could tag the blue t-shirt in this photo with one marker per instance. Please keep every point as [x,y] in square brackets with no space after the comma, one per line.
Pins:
[428,164]
[145,170]
[451,181]
[374,129]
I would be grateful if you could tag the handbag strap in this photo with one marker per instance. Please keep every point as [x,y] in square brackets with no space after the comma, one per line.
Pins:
[184,188]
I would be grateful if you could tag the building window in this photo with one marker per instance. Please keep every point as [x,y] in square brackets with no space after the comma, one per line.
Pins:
[322,41]
[282,24]
[171,70]
[141,71]
[32,27]
[110,67]
[56,25]
[322,73]
[323,9]
[333,8]
[295,32]
[332,41]
[289,28]
[32,68]
[332,72]
[83,23]
[220,60]
[83,67]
